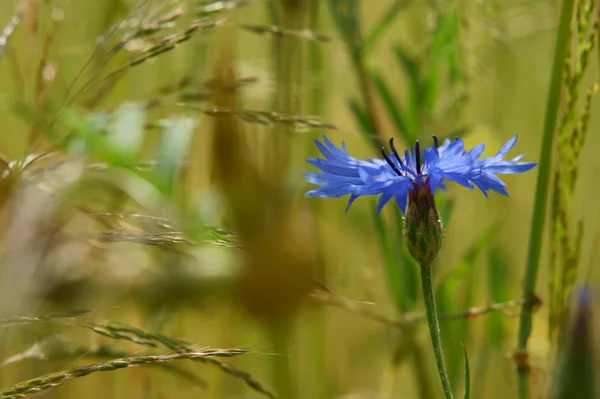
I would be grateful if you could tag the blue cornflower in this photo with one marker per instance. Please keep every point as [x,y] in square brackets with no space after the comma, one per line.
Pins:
[416,172]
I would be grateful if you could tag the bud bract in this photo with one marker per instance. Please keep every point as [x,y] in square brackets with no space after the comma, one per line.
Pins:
[422,225]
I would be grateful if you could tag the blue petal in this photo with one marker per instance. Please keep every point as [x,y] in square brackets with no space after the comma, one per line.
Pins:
[384,199]
[341,174]
[402,201]
[505,167]
[350,201]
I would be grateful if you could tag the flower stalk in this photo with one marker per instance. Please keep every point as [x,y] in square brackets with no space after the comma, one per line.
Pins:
[434,328]
[423,236]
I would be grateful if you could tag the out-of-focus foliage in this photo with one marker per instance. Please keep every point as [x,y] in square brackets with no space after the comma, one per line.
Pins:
[151,172]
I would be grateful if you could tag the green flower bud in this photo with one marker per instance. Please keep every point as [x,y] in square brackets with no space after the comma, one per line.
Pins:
[422,225]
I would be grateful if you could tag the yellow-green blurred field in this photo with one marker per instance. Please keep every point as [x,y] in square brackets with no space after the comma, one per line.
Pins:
[152,176]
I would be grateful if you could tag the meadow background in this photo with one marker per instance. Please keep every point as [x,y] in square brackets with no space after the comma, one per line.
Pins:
[152,199]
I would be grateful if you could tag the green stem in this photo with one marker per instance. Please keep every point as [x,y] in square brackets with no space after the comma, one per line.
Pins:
[434,329]
[541,193]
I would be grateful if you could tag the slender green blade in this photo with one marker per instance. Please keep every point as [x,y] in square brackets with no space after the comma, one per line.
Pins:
[459,280]
[498,286]
[467,394]
[412,71]
[391,268]
[392,106]
[541,193]
[384,23]
[361,116]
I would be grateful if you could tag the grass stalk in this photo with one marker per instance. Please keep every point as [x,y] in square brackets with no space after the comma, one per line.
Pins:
[434,329]
[316,106]
[541,194]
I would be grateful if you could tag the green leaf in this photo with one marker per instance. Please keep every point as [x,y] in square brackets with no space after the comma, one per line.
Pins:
[85,138]
[173,145]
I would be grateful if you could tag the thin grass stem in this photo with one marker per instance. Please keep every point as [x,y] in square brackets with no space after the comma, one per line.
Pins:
[541,194]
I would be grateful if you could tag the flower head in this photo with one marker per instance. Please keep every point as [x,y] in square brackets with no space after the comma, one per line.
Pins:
[396,176]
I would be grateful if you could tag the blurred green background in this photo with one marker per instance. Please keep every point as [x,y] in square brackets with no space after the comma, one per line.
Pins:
[212,135]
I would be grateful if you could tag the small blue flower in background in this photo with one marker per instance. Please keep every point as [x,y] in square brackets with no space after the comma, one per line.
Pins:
[415,172]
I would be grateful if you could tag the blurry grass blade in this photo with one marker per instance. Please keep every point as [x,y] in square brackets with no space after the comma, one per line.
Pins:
[429,89]
[145,238]
[449,284]
[391,104]
[401,270]
[217,236]
[279,31]
[384,23]
[209,8]
[458,332]
[572,135]
[173,146]
[575,368]
[262,117]
[498,279]
[127,132]
[393,278]
[134,334]
[55,349]
[48,381]
[467,394]
[10,321]
[8,31]
[414,102]
[158,46]
[408,64]
[542,187]
[360,115]
[446,36]
[347,19]
[345,15]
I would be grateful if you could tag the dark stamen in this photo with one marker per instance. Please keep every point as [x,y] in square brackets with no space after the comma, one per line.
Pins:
[394,151]
[435,141]
[389,161]
[418,157]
